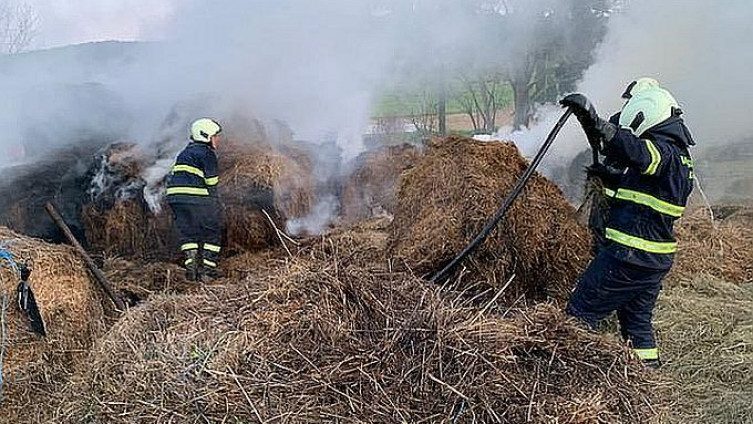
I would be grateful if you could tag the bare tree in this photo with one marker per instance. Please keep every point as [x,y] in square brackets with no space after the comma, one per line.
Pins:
[18,27]
[426,117]
[481,100]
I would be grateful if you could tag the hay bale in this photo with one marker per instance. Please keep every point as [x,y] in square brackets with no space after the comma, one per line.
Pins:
[34,368]
[723,249]
[119,222]
[370,189]
[58,176]
[705,330]
[253,178]
[129,229]
[445,200]
[313,340]
[116,218]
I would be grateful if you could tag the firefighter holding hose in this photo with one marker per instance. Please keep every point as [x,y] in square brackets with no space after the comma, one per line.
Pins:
[648,176]
[192,196]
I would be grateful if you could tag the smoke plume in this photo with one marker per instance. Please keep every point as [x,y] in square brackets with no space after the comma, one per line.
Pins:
[697,49]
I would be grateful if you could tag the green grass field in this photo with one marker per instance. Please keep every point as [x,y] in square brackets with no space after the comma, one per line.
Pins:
[409,99]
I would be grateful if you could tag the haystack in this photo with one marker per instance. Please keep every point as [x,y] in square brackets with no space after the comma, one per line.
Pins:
[445,200]
[370,189]
[117,219]
[33,367]
[723,248]
[254,180]
[119,222]
[129,228]
[313,339]
[58,176]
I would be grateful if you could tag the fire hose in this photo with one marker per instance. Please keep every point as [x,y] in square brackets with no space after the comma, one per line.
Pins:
[492,223]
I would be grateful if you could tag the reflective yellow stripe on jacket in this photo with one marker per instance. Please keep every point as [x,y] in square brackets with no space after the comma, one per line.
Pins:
[188,190]
[655,158]
[639,243]
[188,168]
[644,199]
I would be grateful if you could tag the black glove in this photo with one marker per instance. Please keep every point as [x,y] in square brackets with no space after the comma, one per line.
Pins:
[598,131]
[582,109]
[610,176]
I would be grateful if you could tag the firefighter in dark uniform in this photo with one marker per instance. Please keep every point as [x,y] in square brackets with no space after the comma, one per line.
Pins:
[648,177]
[192,196]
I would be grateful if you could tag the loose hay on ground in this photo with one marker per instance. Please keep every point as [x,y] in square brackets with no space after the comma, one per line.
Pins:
[705,330]
[313,339]
[34,368]
[445,200]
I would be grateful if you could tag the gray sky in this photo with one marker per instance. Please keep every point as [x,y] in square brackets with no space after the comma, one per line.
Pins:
[65,22]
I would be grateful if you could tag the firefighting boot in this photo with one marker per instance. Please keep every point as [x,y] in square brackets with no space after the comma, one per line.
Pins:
[191,263]
[210,257]
[653,364]
[209,274]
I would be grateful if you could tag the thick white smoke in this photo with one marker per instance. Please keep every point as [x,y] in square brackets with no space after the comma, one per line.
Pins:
[318,64]
[315,64]
[699,50]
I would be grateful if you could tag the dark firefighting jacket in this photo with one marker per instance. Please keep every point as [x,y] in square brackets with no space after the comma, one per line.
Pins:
[649,195]
[194,176]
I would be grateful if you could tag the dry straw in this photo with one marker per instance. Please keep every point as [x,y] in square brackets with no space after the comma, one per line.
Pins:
[723,249]
[33,367]
[445,200]
[371,187]
[332,336]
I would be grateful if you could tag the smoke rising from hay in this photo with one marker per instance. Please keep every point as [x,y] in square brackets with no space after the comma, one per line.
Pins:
[315,65]
[698,50]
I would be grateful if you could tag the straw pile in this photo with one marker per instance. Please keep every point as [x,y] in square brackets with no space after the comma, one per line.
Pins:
[313,339]
[58,176]
[136,280]
[129,228]
[33,367]
[723,249]
[370,190]
[116,218]
[253,179]
[705,329]
[445,200]
[119,222]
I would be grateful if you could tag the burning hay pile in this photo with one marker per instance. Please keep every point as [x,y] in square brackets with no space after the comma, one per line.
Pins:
[119,222]
[723,249]
[58,176]
[254,180]
[370,189]
[313,339]
[445,200]
[34,367]
[117,219]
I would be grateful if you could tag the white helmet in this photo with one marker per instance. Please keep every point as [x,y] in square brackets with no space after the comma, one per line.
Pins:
[639,85]
[203,129]
[648,108]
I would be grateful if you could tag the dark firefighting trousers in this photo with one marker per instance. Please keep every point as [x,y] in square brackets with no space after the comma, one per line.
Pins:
[200,230]
[609,284]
